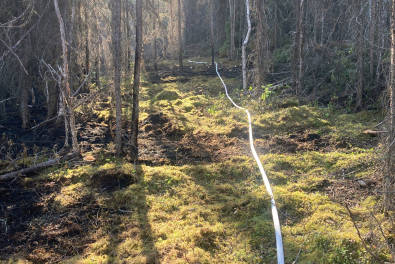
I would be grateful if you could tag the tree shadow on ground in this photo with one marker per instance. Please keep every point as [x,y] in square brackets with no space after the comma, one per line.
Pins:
[68,216]
[147,236]
[247,212]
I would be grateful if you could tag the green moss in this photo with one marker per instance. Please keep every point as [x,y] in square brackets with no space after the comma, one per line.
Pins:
[219,212]
[167,95]
[293,119]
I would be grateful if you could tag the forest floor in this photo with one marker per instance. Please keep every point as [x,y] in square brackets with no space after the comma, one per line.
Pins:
[197,195]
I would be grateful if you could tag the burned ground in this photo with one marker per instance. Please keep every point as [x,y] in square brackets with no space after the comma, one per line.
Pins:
[197,194]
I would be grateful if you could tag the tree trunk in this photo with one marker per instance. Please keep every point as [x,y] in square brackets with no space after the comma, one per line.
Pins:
[75,41]
[66,81]
[156,29]
[116,43]
[97,72]
[322,27]
[212,37]
[389,181]
[232,18]
[260,43]
[372,30]
[24,101]
[244,47]
[97,43]
[136,81]
[128,7]
[87,51]
[52,101]
[180,44]
[298,51]
[360,47]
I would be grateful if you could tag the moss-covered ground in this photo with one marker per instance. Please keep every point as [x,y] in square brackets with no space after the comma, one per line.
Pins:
[215,210]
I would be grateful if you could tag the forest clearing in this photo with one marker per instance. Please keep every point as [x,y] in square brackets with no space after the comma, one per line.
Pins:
[119,143]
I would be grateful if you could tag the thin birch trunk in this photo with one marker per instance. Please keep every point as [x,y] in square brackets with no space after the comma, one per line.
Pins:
[389,180]
[299,80]
[372,30]
[232,17]
[66,81]
[244,47]
[212,38]
[116,40]
[136,81]
[181,49]
[360,81]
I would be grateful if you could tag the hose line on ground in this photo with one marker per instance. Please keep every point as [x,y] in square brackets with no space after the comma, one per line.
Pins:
[276,221]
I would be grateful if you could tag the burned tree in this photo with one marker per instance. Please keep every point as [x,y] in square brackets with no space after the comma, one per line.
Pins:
[136,81]
[65,89]
[116,48]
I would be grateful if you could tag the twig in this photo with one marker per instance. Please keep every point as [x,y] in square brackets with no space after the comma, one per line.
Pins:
[15,55]
[5,100]
[359,235]
[82,84]
[62,114]
[26,33]
[381,231]
[297,256]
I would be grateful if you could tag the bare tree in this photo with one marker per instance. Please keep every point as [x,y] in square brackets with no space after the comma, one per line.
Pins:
[298,48]
[212,37]
[180,44]
[389,180]
[136,81]
[244,47]
[372,30]
[116,46]
[360,53]
[232,18]
[66,91]
[261,46]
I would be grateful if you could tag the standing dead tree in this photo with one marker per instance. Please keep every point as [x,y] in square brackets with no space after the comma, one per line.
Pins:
[180,44]
[136,81]
[116,45]
[65,88]
[298,48]
[389,181]
[244,47]
[212,37]
[232,18]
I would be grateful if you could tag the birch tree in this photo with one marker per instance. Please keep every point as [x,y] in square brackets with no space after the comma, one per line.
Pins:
[389,180]
[66,90]
[116,48]
[212,37]
[136,81]
[180,44]
[244,47]
[232,18]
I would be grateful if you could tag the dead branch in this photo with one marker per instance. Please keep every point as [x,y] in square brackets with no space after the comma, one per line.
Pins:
[360,236]
[374,133]
[8,99]
[387,243]
[15,55]
[79,103]
[34,168]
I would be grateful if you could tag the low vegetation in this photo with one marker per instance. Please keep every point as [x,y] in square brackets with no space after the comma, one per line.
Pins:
[214,209]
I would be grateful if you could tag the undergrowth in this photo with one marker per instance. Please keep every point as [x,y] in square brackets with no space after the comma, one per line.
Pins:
[219,212]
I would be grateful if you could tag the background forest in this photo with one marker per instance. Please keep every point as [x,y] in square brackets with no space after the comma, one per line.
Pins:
[152,164]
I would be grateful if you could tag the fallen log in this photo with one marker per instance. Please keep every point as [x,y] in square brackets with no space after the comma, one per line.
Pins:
[34,168]
[374,133]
